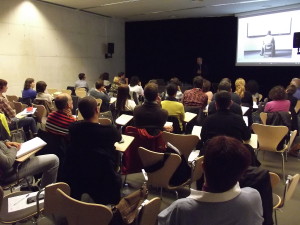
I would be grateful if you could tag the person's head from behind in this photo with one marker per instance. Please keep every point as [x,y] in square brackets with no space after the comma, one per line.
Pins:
[29,83]
[122,96]
[63,101]
[269,32]
[277,93]
[206,85]
[291,89]
[134,80]
[225,161]
[81,76]
[240,87]
[296,82]
[171,89]
[198,82]
[151,92]
[226,79]
[121,75]
[223,100]
[41,86]
[99,85]
[175,81]
[224,86]
[3,86]
[88,107]
[199,60]
[252,87]
[104,76]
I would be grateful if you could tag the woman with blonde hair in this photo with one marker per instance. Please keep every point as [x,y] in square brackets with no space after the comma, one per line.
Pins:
[240,90]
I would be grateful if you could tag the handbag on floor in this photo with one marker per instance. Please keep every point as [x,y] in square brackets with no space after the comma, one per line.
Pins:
[127,210]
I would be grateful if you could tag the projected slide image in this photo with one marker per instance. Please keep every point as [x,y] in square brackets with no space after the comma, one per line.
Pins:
[268,39]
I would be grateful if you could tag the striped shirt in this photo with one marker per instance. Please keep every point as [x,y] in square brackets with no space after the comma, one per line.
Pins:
[58,123]
[6,109]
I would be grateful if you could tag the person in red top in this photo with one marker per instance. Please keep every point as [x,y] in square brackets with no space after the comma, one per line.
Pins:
[58,122]
[195,97]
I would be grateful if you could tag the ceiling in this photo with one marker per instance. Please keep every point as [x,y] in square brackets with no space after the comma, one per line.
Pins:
[140,10]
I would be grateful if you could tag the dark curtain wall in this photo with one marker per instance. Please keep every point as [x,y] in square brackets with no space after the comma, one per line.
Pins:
[163,49]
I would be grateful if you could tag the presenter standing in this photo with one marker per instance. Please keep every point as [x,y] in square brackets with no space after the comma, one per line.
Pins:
[201,69]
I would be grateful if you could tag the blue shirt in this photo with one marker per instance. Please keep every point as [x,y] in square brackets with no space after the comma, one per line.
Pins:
[29,93]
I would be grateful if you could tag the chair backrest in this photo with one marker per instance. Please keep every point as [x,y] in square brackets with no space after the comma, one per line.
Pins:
[19,107]
[80,93]
[105,121]
[66,91]
[185,143]
[99,103]
[176,126]
[149,212]
[162,176]
[197,168]
[263,116]
[269,136]
[297,107]
[12,98]
[274,179]
[78,115]
[292,138]
[48,105]
[289,189]
[78,212]
[40,112]
[51,91]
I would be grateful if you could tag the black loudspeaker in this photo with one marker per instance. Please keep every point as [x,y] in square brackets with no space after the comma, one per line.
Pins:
[110,48]
[296,42]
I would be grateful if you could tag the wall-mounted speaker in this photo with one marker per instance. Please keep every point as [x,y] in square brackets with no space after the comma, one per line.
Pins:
[296,42]
[110,48]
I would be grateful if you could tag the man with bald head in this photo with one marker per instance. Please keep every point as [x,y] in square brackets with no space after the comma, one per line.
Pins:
[58,122]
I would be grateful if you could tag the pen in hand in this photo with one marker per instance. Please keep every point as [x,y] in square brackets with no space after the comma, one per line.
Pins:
[21,199]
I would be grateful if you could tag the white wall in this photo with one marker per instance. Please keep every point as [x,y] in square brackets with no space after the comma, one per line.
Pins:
[54,44]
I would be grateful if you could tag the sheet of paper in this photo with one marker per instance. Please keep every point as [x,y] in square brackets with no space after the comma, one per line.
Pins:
[188,116]
[246,120]
[25,113]
[197,131]
[20,202]
[30,145]
[244,109]
[168,124]
[123,119]
[112,100]
[194,154]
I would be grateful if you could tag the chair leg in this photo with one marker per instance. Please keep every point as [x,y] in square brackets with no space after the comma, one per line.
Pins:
[275,215]
[283,170]
[161,193]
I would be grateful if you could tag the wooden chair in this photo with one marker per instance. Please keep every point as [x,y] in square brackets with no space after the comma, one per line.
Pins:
[59,203]
[263,116]
[289,189]
[41,115]
[105,121]
[19,107]
[99,103]
[185,143]
[274,179]
[148,214]
[297,107]
[12,98]
[270,136]
[80,93]
[51,91]
[66,91]
[161,177]
[78,115]
[7,217]
[197,169]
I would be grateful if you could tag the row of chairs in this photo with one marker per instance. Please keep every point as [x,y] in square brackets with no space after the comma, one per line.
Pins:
[59,205]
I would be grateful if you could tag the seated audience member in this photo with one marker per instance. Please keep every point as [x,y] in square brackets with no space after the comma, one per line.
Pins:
[234,107]
[123,102]
[279,101]
[171,104]
[195,96]
[99,92]
[234,97]
[106,82]
[45,164]
[28,91]
[91,159]
[221,200]
[81,83]
[135,86]
[122,78]
[41,95]
[177,82]
[240,90]
[296,82]
[28,123]
[290,90]
[113,91]
[206,89]
[224,122]
[58,122]
[150,115]
[253,87]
